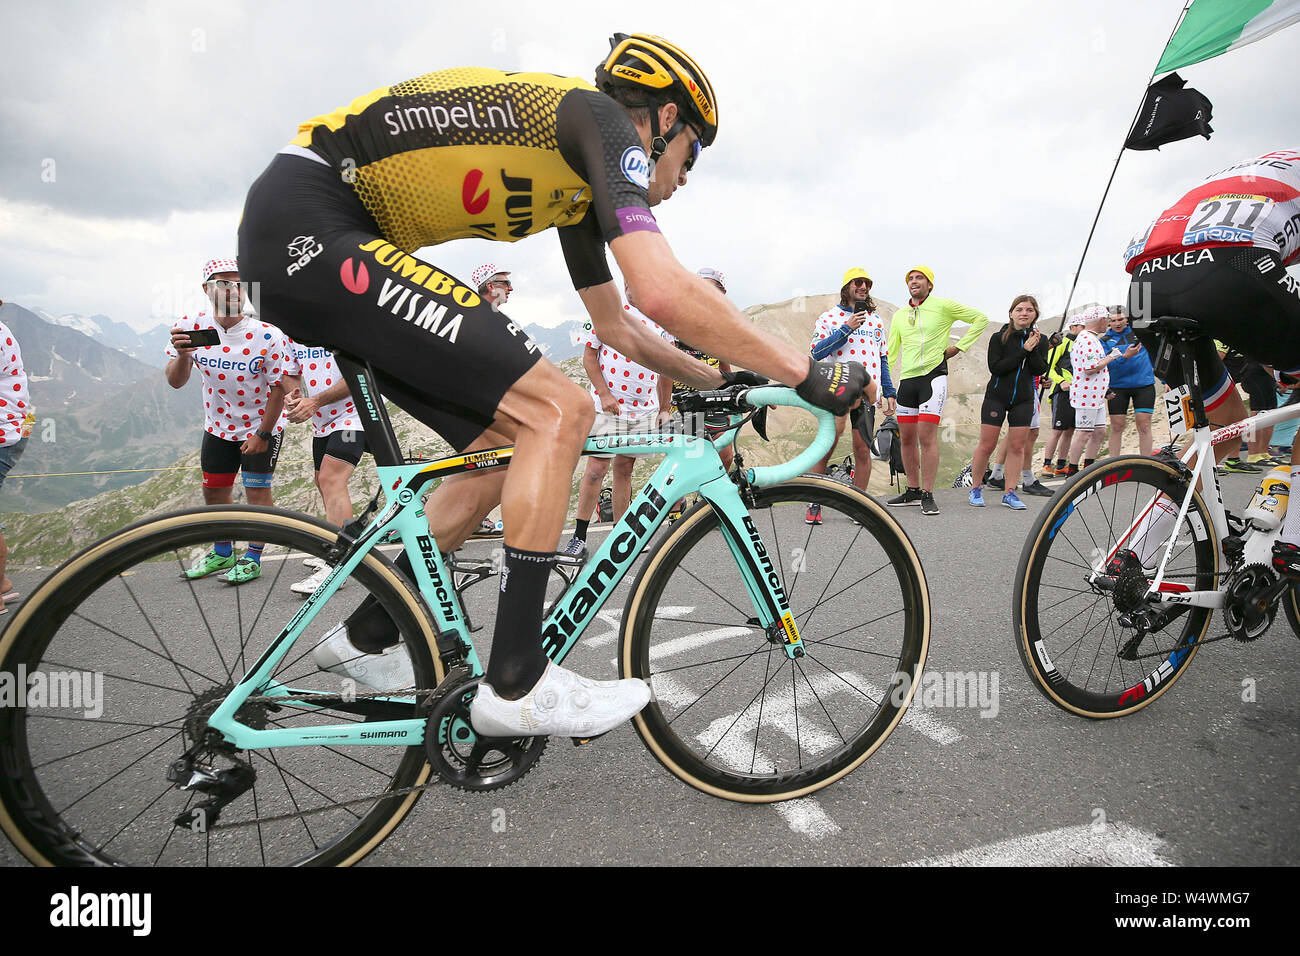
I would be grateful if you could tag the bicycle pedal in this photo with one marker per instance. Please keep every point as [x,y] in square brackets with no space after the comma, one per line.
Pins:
[580,741]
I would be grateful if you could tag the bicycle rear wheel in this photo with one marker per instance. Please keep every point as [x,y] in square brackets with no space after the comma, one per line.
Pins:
[734,717]
[1074,645]
[85,780]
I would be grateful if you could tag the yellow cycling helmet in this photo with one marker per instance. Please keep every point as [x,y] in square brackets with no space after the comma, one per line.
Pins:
[652,63]
[857,272]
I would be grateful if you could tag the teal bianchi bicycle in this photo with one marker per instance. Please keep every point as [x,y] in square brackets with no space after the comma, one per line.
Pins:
[780,656]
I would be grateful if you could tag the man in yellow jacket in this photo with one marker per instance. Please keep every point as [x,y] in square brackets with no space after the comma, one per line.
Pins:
[919,344]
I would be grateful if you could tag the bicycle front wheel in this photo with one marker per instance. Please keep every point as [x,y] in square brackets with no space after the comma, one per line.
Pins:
[1079,593]
[144,655]
[732,715]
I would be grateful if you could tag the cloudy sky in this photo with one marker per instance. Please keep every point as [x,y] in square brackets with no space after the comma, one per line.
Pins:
[976,138]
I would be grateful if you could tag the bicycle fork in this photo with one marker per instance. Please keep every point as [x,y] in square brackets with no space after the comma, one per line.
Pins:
[762,575]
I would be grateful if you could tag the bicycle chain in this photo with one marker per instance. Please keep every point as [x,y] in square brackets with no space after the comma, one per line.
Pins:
[276,818]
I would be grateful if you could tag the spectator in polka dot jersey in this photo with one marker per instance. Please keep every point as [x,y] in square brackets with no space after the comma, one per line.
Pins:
[16,421]
[1088,387]
[852,332]
[243,398]
[627,396]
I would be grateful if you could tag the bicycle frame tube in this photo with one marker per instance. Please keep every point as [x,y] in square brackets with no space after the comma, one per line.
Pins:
[691,464]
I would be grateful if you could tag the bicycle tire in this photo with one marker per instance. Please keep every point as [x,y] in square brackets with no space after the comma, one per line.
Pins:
[76,793]
[1291,604]
[866,678]
[1063,663]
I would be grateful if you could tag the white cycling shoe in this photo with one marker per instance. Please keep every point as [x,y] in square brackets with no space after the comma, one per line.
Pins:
[561,704]
[387,671]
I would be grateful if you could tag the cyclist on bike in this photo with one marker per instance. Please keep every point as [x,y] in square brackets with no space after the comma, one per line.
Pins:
[1219,255]
[479,152]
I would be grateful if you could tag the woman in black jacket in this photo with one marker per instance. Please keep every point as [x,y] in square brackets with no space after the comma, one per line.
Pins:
[1016,355]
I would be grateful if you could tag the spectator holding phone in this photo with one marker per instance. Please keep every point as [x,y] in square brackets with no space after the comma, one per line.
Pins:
[1131,379]
[852,332]
[241,362]
[1091,385]
[1017,355]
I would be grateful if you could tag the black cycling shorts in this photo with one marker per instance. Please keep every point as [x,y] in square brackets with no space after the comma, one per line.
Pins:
[995,411]
[1062,412]
[1242,297]
[345,444]
[921,398]
[1143,396]
[322,272]
[221,459]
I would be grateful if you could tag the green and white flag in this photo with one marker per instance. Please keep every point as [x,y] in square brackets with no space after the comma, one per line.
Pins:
[1212,27]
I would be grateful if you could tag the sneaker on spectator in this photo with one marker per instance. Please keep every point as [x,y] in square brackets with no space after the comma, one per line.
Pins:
[1012,502]
[1037,488]
[814,515]
[928,506]
[911,496]
[576,548]
[210,563]
[976,498]
[314,563]
[1235,466]
[999,483]
[244,570]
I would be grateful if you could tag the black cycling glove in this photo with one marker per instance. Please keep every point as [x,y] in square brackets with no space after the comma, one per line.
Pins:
[834,386]
[743,376]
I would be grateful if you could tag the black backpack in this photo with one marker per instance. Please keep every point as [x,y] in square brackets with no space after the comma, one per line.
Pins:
[605,505]
[888,448]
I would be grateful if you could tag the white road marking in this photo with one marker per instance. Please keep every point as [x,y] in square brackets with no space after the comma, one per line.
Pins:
[1116,844]
[614,618]
[807,817]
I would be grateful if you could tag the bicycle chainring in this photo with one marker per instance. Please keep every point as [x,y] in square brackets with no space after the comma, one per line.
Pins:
[1247,610]
[463,759]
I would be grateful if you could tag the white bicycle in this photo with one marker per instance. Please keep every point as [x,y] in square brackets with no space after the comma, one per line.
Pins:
[1123,570]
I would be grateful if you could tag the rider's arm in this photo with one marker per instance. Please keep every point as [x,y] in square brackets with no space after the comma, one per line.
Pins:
[613,327]
[694,311]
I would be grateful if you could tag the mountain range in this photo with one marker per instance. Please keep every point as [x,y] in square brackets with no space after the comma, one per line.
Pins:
[146,347]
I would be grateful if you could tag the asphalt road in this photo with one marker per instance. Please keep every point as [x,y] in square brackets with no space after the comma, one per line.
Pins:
[1207,775]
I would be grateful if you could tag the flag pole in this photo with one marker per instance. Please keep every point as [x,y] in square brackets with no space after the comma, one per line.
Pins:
[1097,218]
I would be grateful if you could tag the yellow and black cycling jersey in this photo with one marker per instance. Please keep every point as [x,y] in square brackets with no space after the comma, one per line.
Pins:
[483,153]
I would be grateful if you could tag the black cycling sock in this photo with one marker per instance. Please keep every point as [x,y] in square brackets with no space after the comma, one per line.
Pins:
[1061,463]
[580,532]
[1087,462]
[1073,470]
[370,629]
[517,661]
